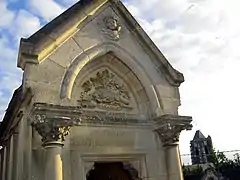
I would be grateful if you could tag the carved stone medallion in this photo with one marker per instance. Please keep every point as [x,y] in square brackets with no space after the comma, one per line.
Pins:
[103,92]
[112,28]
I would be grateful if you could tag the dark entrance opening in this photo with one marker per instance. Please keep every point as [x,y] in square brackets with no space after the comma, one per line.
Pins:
[111,171]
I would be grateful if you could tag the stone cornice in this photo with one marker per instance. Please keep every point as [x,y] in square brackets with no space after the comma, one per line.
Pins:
[170,126]
[54,121]
[77,116]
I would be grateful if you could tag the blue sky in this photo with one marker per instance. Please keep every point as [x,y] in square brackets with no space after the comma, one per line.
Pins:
[199,37]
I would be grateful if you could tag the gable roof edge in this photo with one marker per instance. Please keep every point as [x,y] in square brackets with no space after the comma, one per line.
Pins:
[28,51]
[174,77]
[33,49]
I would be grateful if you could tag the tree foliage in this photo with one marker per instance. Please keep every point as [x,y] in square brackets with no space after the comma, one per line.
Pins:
[222,163]
[198,170]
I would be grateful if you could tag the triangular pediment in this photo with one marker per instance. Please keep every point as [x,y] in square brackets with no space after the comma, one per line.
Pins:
[40,45]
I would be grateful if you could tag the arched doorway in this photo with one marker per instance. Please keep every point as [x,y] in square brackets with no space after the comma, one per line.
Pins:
[112,171]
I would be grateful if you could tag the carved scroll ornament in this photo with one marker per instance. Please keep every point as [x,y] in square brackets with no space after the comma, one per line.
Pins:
[103,92]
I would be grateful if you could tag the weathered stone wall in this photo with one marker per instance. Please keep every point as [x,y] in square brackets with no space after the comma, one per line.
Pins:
[59,80]
[86,145]
[49,77]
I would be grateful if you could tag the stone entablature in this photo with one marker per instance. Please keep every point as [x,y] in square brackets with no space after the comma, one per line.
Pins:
[77,116]
[54,122]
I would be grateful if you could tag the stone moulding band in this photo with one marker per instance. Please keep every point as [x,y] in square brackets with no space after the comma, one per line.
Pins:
[53,122]
[77,116]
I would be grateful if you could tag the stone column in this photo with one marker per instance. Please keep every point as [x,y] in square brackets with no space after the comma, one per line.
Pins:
[10,159]
[53,132]
[15,156]
[4,173]
[169,128]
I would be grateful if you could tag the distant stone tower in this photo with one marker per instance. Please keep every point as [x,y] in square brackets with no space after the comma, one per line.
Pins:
[201,148]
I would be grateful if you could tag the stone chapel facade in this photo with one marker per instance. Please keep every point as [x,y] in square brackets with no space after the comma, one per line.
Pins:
[98,100]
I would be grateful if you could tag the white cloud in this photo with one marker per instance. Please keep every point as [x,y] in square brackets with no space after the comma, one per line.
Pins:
[19,23]
[10,81]
[46,9]
[10,76]
[6,16]
[68,2]
[25,24]
[7,56]
[200,38]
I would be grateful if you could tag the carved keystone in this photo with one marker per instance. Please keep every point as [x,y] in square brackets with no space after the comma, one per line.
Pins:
[50,129]
[170,126]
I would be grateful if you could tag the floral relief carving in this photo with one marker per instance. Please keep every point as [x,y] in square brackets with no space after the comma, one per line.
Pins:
[102,91]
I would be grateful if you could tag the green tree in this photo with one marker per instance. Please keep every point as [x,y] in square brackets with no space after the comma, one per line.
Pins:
[198,170]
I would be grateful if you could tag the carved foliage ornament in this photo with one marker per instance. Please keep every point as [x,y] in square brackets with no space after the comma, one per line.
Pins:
[169,131]
[102,91]
[169,134]
[112,28]
[50,130]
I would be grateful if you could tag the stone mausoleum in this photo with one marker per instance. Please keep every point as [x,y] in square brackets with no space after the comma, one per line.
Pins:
[98,100]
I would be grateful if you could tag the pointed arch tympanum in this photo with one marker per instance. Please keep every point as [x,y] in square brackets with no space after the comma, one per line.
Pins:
[97,51]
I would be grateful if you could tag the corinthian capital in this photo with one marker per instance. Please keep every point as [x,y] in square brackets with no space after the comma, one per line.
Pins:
[50,129]
[169,127]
